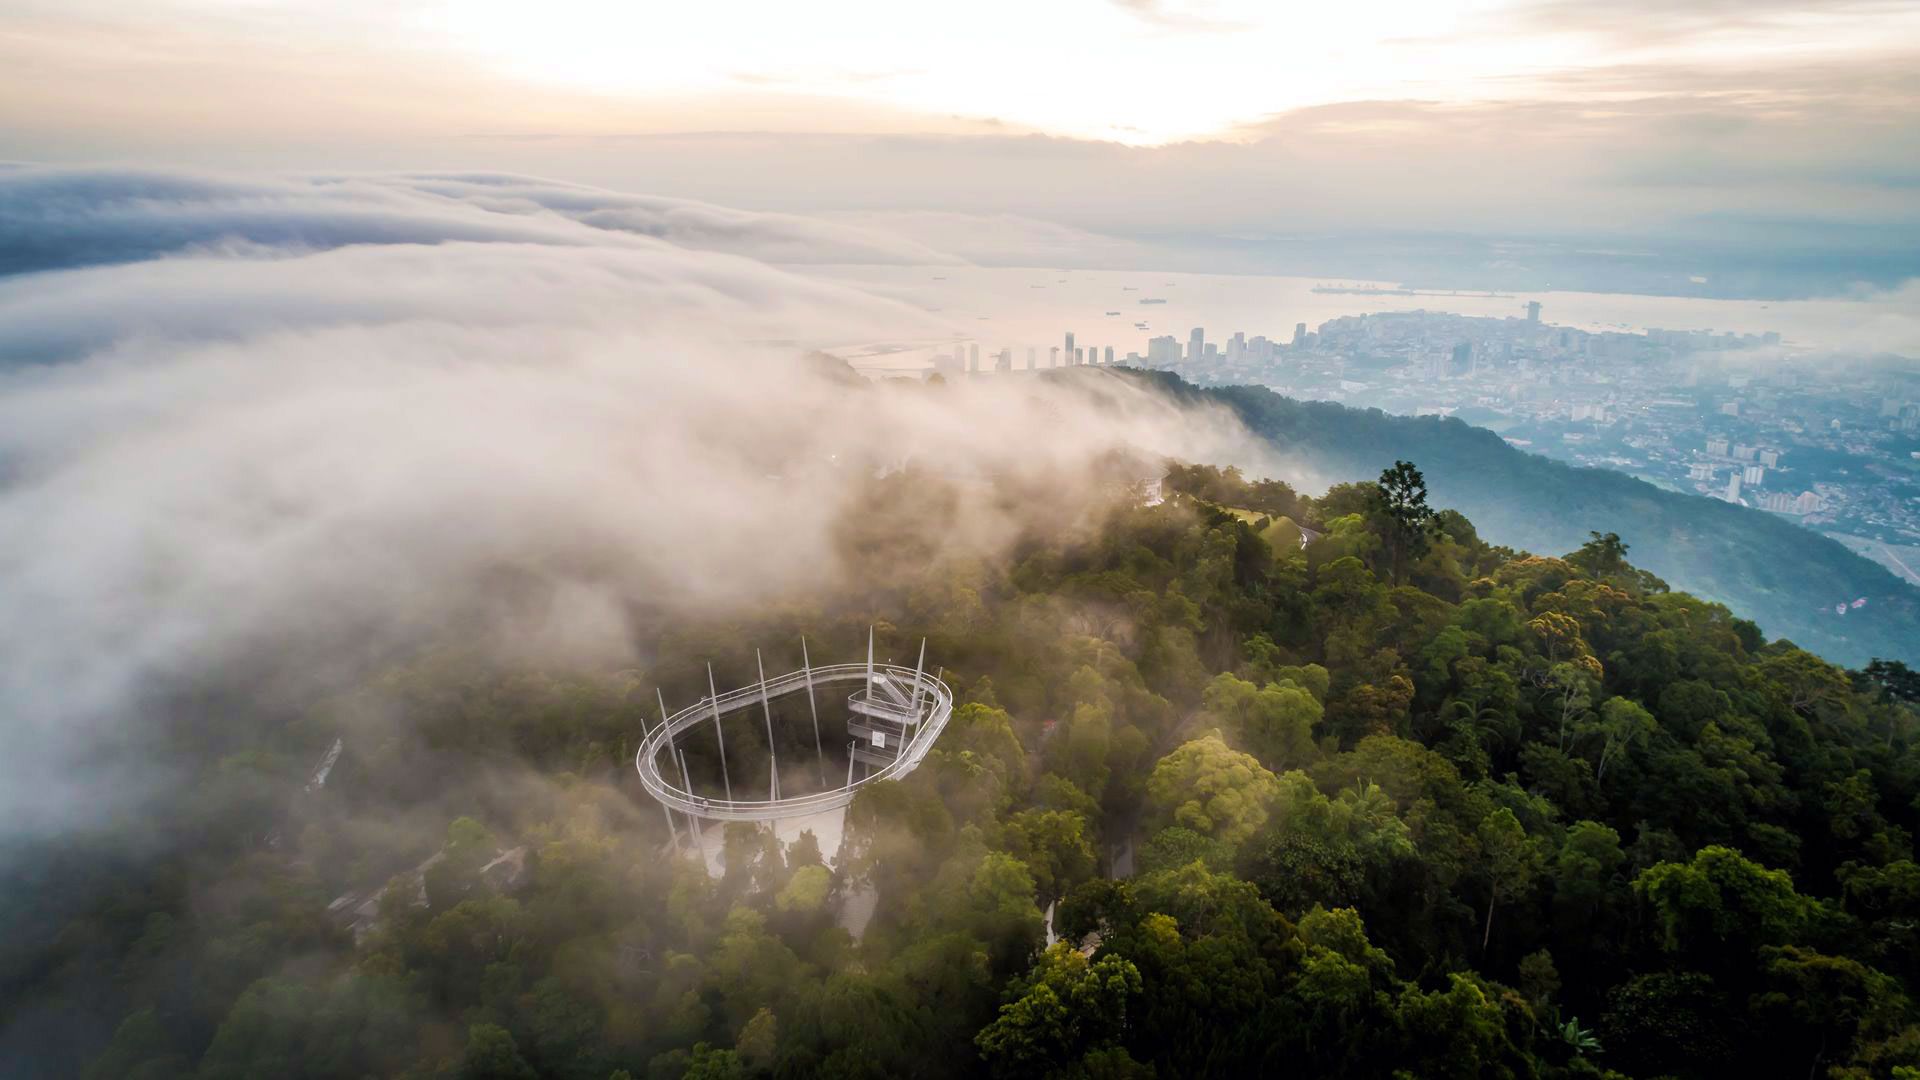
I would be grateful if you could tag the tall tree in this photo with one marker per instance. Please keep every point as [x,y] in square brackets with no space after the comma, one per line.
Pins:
[1064,1008]
[1401,498]
[1621,725]
[1512,862]
[1892,677]
[1213,789]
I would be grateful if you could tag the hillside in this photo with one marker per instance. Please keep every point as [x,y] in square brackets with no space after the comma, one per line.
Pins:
[1399,803]
[1786,578]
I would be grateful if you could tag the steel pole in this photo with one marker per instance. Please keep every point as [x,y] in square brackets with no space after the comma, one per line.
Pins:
[661,697]
[672,833]
[699,842]
[919,674]
[766,707]
[806,665]
[714,696]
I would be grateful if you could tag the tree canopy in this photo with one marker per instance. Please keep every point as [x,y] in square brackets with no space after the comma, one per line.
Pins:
[1396,802]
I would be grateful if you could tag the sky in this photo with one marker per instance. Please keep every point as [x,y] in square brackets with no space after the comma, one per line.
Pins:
[1138,72]
[1768,145]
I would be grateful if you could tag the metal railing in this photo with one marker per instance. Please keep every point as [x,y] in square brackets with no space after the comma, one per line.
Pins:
[937,709]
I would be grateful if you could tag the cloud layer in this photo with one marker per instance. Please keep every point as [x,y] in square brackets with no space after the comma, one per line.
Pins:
[320,427]
[58,218]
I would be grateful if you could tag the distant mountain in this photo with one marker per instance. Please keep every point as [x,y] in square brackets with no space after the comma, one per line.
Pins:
[1784,577]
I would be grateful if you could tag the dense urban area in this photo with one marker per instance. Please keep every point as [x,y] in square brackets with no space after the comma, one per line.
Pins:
[1829,441]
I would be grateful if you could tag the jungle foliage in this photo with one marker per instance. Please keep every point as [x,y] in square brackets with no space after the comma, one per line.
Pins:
[1391,802]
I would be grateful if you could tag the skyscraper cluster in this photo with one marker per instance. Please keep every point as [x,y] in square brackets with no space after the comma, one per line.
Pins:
[965,358]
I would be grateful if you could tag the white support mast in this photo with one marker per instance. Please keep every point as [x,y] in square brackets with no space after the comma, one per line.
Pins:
[686,778]
[766,707]
[919,677]
[644,733]
[714,697]
[806,665]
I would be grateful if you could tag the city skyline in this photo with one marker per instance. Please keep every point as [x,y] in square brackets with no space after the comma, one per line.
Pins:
[1658,404]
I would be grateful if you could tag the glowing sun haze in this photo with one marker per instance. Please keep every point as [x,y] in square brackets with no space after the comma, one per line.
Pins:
[1141,72]
[1085,68]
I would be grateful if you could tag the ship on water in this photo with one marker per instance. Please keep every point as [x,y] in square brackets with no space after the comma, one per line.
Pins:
[1376,290]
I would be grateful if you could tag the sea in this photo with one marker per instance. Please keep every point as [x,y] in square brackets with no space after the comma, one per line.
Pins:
[1019,308]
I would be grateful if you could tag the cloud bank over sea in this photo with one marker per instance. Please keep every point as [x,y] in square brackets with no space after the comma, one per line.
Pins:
[258,437]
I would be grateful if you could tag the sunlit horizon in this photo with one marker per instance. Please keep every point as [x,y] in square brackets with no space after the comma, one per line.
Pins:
[1137,72]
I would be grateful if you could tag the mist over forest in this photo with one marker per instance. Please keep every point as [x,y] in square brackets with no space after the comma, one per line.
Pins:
[352,526]
[1090,540]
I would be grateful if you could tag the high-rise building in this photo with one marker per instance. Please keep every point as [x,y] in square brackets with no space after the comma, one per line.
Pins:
[1003,361]
[973,358]
[1770,458]
[1462,359]
[1798,505]
[1197,345]
[1733,488]
[1717,447]
[1079,357]
[1053,356]
[1299,334]
[1070,347]
[1533,311]
[1109,356]
[1030,355]
[1754,476]
[1163,351]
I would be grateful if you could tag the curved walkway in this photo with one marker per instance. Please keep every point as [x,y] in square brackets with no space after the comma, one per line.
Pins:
[937,710]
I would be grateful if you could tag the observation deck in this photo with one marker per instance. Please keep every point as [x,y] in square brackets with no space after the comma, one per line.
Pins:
[893,717]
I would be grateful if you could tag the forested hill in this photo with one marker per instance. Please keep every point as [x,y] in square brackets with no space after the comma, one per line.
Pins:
[1395,803]
[1399,803]
[1784,577]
